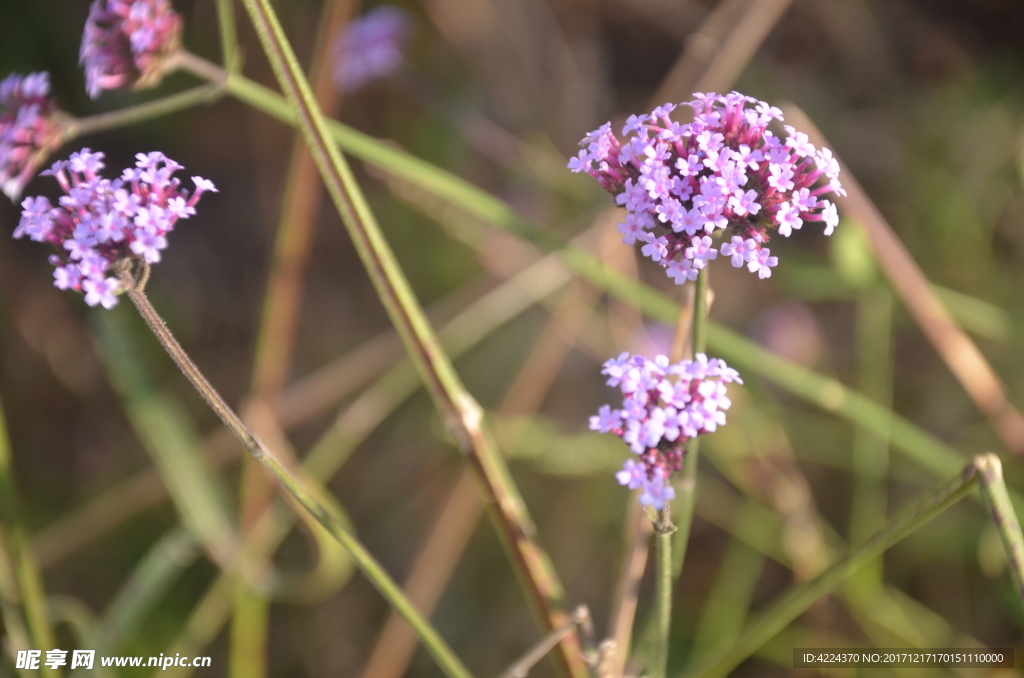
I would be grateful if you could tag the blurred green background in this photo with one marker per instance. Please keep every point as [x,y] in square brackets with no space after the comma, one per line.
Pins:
[924,101]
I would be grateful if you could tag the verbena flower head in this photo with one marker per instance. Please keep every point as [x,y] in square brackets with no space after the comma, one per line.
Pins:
[100,223]
[663,408]
[370,47]
[682,184]
[127,42]
[29,129]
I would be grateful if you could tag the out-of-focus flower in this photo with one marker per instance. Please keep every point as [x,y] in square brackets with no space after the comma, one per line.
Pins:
[370,47]
[101,222]
[789,329]
[127,42]
[682,184]
[29,129]
[664,407]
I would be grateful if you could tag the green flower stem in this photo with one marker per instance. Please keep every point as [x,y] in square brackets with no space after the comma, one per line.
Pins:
[26,572]
[792,604]
[663,529]
[228,35]
[746,356]
[686,486]
[461,413]
[445,658]
[77,127]
[990,477]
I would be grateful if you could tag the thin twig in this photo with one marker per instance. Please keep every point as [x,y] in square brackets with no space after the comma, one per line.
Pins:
[521,667]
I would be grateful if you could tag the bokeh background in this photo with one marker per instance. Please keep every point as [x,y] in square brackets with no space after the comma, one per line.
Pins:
[922,99]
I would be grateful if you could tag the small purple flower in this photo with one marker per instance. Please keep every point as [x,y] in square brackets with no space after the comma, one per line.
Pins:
[657,491]
[723,170]
[664,406]
[29,129]
[100,223]
[127,43]
[370,47]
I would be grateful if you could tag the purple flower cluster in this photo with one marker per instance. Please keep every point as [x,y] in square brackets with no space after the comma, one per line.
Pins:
[682,183]
[665,406]
[127,42]
[100,223]
[370,47]
[29,129]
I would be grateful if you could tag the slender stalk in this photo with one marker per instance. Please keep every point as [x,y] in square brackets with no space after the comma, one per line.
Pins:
[229,54]
[26,572]
[461,413]
[77,127]
[990,477]
[437,647]
[686,487]
[792,604]
[663,530]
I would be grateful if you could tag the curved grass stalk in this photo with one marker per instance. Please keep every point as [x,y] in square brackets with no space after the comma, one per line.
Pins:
[444,656]
[461,413]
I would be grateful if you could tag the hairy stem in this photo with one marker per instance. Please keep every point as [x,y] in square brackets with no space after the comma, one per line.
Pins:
[437,647]
[663,530]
